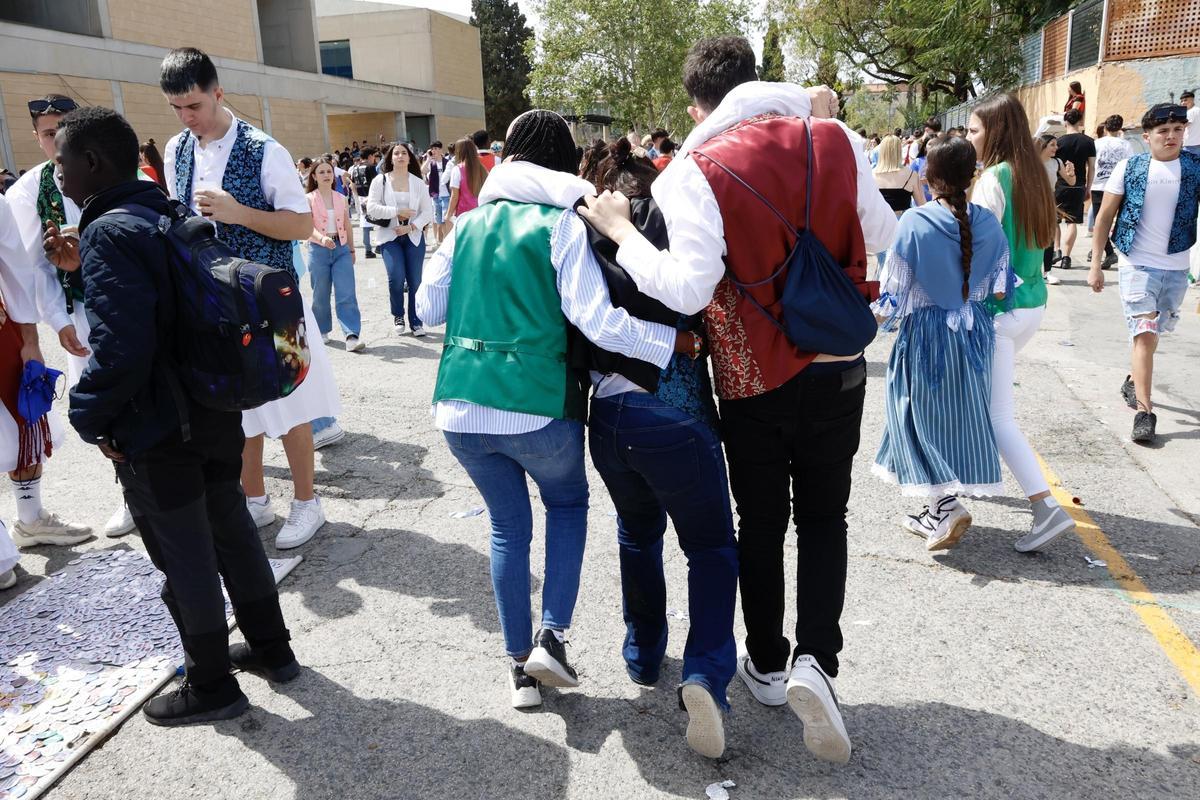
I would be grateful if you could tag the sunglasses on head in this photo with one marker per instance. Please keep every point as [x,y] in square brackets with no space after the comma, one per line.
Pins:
[61,105]
[1170,114]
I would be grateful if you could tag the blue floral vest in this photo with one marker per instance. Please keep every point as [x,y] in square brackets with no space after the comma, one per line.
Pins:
[1183,229]
[243,180]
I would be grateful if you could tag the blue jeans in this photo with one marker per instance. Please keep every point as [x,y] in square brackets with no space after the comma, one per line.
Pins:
[498,464]
[1151,298]
[332,273]
[656,461]
[403,261]
[321,423]
[441,204]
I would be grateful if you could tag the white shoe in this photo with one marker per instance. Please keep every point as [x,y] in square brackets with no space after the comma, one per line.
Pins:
[810,694]
[328,436]
[526,692]
[952,525]
[8,579]
[1053,279]
[49,529]
[302,524]
[706,728]
[355,344]
[418,331]
[262,513]
[769,689]
[120,523]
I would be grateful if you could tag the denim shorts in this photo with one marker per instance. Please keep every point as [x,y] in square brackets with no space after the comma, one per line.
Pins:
[1146,290]
[440,206]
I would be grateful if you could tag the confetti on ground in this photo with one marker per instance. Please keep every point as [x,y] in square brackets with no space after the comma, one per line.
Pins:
[470,512]
[677,614]
[719,791]
[1094,562]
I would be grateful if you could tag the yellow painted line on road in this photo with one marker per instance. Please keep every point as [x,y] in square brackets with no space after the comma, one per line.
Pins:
[1174,642]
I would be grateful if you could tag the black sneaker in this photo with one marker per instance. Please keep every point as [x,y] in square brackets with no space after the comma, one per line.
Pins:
[1109,261]
[191,705]
[1143,427]
[1089,258]
[280,666]
[526,691]
[1128,392]
[1065,263]
[548,661]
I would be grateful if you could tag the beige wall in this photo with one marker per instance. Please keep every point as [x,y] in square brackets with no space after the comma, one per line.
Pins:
[149,114]
[347,128]
[1049,97]
[451,129]
[388,47]
[299,127]
[218,27]
[457,64]
[19,88]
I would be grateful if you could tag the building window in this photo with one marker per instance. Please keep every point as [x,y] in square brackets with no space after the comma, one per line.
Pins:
[68,16]
[335,59]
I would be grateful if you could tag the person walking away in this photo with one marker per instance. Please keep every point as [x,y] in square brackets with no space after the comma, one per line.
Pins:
[331,259]
[1110,151]
[484,149]
[239,177]
[151,164]
[508,282]
[37,203]
[1056,170]
[1154,198]
[666,150]
[1079,149]
[182,486]
[949,258]
[899,185]
[790,419]
[400,198]
[653,439]
[466,179]
[1013,189]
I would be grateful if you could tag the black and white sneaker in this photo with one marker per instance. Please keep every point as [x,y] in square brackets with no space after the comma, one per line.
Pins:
[548,662]
[810,694]
[768,688]
[1128,393]
[1143,427]
[526,691]
[398,324]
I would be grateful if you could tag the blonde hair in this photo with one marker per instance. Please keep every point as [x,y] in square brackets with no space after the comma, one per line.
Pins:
[889,154]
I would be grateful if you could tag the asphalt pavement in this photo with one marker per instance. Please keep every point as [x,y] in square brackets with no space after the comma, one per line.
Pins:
[979,672]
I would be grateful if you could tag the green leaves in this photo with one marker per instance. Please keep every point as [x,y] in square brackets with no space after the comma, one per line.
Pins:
[503,41]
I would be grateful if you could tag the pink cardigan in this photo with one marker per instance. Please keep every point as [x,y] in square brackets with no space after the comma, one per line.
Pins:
[317,204]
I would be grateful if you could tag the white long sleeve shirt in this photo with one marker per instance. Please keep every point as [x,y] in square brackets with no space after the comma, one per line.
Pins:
[38,280]
[585,300]
[383,201]
[684,277]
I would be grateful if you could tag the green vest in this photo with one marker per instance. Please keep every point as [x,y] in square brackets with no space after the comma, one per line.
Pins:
[1026,260]
[506,336]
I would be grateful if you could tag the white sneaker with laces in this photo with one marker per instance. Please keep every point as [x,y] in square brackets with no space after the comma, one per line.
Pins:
[706,727]
[302,524]
[769,688]
[262,513]
[49,529]
[355,344]
[1053,279]
[953,522]
[8,579]
[810,694]
[418,331]
[120,523]
[331,435]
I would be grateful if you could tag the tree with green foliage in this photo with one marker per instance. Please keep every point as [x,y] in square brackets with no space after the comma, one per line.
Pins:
[772,57]
[604,55]
[504,39]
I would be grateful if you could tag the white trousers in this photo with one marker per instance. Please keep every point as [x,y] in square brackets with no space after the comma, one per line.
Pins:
[1013,332]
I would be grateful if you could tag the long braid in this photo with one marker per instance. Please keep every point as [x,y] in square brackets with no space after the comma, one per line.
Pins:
[949,169]
[958,204]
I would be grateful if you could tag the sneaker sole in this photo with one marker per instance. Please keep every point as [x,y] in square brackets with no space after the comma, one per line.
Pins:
[952,537]
[824,735]
[705,730]
[34,539]
[117,534]
[331,440]
[358,348]
[9,580]
[913,531]
[284,674]
[528,697]
[298,542]
[234,709]
[756,688]
[541,666]
[1031,544]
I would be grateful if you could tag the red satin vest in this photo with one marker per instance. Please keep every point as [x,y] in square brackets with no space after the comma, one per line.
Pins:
[750,355]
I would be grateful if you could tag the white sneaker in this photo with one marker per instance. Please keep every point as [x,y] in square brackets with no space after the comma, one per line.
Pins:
[706,728]
[49,529]
[355,344]
[526,691]
[8,579]
[302,524]
[810,694]
[418,331]
[770,689]
[952,525]
[262,513]
[328,436]
[1053,279]
[120,523]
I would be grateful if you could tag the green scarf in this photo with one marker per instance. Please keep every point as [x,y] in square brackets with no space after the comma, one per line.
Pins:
[50,209]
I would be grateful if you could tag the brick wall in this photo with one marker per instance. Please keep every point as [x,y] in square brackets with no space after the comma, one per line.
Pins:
[218,27]
[19,88]
[299,127]
[347,128]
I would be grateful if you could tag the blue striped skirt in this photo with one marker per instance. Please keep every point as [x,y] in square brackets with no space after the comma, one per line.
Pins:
[938,439]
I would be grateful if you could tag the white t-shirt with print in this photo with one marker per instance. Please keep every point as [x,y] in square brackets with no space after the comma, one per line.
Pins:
[1110,151]
[1153,234]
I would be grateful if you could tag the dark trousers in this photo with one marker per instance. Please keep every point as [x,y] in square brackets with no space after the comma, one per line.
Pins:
[657,460]
[791,450]
[1097,199]
[187,502]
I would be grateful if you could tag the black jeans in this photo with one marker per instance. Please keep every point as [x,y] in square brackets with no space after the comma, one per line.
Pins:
[791,450]
[1097,199]
[187,502]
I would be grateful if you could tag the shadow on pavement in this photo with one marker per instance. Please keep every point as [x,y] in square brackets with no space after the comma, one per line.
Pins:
[364,466]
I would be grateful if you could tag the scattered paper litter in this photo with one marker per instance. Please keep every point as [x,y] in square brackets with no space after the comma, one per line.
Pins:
[719,791]
[470,512]
[863,622]
[676,613]
[1094,562]
[1067,343]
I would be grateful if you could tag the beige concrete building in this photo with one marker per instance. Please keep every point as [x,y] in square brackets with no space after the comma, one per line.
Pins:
[269,54]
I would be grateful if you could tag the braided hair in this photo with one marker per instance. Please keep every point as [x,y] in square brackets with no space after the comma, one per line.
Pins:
[624,171]
[543,138]
[949,170]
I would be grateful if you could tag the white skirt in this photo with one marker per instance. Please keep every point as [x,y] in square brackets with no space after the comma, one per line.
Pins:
[316,397]
[10,438]
[9,555]
[77,364]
